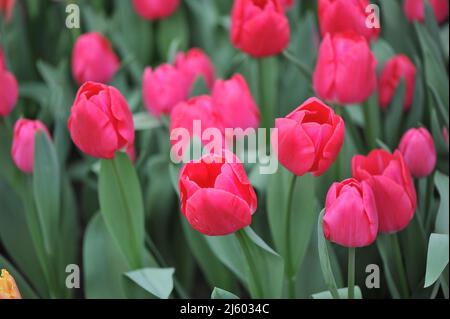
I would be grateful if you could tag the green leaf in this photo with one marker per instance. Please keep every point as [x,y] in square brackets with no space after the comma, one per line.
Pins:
[268,80]
[343,294]
[417,110]
[437,258]
[14,226]
[325,263]
[144,121]
[103,262]
[394,115]
[121,206]
[435,70]
[264,267]
[156,281]
[303,215]
[171,28]
[441,182]
[226,249]
[47,194]
[215,272]
[218,293]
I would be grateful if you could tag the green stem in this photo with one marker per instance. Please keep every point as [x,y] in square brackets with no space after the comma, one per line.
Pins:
[351,273]
[370,136]
[303,68]
[399,265]
[240,235]
[290,273]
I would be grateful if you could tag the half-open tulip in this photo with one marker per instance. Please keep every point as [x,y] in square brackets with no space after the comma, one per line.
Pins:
[100,121]
[163,88]
[392,185]
[347,15]
[397,68]
[93,59]
[193,64]
[309,138]
[8,287]
[9,89]
[235,104]
[259,27]
[350,217]
[216,196]
[6,8]
[23,143]
[155,9]
[419,152]
[345,72]
[415,9]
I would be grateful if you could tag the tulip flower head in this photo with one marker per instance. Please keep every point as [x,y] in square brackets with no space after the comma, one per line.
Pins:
[337,16]
[163,88]
[9,89]
[419,152]
[6,8]
[235,104]
[309,138]
[8,287]
[415,9]
[345,72]
[22,151]
[392,184]
[100,121]
[216,196]
[155,9]
[260,28]
[193,64]
[350,217]
[93,59]
[397,68]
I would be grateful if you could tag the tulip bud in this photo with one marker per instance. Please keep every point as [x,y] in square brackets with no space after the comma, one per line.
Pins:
[195,63]
[395,69]
[6,8]
[186,115]
[93,59]
[216,196]
[259,27]
[23,143]
[287,4]
[155,9]
[309,138]
[337,16]
[419,152]
[415,9]
[9,89]
[100,121]
[163,88]
[8,287]
[392,185]
[350,217]
[346,69]
[235,104]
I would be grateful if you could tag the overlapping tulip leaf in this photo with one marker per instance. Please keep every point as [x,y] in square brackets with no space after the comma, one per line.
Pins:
[343,294]
[156,281]
[261,260]
[26,291]
[218,293]
[437,258]
[303,215]
[121,206]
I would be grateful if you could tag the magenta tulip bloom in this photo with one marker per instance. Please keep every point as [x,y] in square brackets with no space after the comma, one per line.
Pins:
[309,138]
[419,152]
[350,217]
